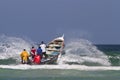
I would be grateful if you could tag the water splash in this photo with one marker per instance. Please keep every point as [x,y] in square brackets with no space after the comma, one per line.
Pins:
[10,47]
[83,51]
[77,51]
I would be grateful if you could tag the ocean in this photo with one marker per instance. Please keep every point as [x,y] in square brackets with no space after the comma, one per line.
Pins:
[82,61]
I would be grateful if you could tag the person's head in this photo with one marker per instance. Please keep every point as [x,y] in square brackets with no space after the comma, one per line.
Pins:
[39,47]
[32,47]
[24,49]
[42,42]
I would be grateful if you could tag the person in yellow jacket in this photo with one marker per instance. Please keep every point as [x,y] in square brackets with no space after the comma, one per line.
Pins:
[24,57]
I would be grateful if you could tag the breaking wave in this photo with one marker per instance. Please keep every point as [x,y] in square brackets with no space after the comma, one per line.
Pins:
[79,54]
[10,47]
[84,52]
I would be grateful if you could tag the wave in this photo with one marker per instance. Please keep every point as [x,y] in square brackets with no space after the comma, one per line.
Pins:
[78,52]
[65,66]
[10,47]
[82,51]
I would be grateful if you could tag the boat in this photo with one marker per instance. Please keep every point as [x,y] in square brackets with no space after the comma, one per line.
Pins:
[54,50]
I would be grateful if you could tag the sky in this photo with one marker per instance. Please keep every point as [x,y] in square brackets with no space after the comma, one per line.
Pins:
[94,20]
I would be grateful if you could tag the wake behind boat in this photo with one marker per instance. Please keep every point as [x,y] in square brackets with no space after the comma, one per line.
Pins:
[54,50]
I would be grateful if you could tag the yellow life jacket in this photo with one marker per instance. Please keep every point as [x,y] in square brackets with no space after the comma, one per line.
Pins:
[24,56]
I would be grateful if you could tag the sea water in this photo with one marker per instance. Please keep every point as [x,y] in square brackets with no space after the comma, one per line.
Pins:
[82,61]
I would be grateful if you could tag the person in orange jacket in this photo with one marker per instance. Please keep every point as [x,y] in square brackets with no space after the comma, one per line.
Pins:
[24,57]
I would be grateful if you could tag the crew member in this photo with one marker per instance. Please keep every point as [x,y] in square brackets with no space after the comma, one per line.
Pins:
[33,52]
[43,47]
[24,57]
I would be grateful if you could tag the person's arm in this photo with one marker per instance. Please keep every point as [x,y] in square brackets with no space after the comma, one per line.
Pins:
[35,52]
[21,55]
[31,52]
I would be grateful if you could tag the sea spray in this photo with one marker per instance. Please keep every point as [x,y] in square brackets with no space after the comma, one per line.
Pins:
[10,47]
[77,51]
[83,52]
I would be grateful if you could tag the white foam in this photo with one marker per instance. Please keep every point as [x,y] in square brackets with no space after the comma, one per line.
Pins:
[81,51]
[11,47]
[76,67]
